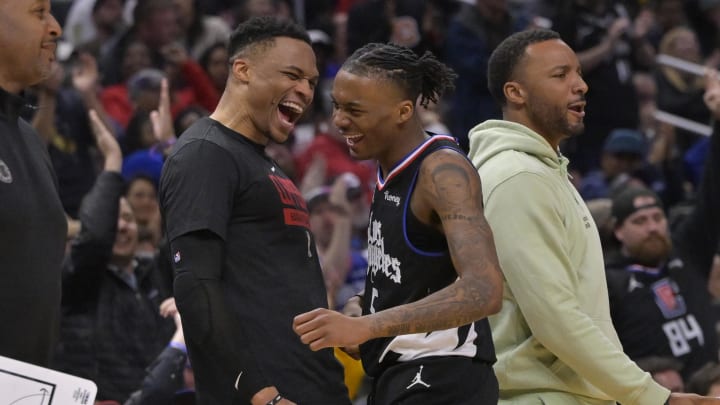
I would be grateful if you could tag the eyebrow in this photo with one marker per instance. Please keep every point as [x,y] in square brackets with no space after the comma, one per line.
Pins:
[302,72]
[352,104]
[566,68]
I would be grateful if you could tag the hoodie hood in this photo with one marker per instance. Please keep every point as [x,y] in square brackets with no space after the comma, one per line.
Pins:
[496,136]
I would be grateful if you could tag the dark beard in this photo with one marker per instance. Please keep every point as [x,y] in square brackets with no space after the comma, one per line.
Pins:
[648,253]
[553,120]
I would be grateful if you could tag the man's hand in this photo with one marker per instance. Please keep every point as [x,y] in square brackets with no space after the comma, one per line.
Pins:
[692,399]
[353,309]
[322,328]
[266,394]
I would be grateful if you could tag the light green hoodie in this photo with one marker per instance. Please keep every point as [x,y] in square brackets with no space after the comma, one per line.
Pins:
[554,338]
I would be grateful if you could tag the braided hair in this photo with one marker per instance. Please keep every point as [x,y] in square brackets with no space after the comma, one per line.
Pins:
[424,76]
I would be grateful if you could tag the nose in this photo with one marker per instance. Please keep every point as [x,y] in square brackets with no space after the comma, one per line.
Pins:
[339,119]
[654,226]
[580,86]
[54,28]
[306,90]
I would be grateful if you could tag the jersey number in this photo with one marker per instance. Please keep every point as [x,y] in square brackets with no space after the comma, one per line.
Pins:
[680,331]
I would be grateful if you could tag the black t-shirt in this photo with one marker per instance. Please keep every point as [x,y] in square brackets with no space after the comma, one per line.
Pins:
[217,180]
[408,261]
[33,230]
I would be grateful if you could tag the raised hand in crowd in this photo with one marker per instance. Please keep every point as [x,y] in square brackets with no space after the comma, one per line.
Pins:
[106,143]
[161,119]
[712,92]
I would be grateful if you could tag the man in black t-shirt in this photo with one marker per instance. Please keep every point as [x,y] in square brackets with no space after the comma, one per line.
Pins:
[245,260]
[33,227]
[433,275]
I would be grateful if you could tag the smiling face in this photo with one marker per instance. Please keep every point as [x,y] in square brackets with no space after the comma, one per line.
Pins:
[126,239]
[368,112]
[280,80]
[142,197]
[549,91]
[28,35]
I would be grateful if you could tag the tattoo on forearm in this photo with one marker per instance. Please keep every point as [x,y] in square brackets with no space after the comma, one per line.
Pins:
[462,302]
[460,217]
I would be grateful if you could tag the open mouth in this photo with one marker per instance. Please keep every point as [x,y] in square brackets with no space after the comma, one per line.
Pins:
[578,108]
[290,111]
[353,139]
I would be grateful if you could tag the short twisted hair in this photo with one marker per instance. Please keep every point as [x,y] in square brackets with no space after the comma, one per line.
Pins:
[418,76]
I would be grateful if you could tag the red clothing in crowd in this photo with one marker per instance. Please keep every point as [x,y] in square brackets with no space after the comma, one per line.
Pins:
[199,90]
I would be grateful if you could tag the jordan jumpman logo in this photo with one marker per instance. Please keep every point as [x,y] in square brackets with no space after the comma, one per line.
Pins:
[418,380]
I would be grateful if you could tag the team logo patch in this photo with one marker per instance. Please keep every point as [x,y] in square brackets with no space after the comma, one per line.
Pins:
[418,380]
[668,299]
[5,174]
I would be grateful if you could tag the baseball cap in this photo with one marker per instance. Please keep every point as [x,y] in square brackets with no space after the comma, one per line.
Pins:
[322,193]
[624,140]
[145,79]
[315,196]
[624,203]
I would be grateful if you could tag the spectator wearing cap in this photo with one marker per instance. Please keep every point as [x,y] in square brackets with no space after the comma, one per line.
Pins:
[621,161]
[659,301]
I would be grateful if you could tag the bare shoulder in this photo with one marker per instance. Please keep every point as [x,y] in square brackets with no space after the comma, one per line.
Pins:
[448,188]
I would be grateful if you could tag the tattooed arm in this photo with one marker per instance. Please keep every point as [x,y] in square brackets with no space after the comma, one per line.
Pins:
[448,196]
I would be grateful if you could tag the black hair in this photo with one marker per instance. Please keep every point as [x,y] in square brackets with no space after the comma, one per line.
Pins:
[703,379]
[656,364]
[506,57]
[132,141]
[263,31]
[424,76]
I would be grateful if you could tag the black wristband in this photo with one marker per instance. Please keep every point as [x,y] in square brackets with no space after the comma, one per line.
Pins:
[275,400]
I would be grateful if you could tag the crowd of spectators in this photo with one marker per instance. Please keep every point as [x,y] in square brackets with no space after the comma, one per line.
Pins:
[149,68]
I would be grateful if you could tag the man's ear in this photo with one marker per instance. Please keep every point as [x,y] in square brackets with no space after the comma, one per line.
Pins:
[240,70]
[514,93]
[619,235]
[406,109]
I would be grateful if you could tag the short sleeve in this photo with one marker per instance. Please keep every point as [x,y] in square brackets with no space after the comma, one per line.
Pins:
[197,187]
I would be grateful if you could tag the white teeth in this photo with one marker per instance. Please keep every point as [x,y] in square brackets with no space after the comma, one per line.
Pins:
[353,137]
[293,106]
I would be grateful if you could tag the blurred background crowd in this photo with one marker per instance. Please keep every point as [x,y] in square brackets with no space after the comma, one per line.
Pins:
[150,68]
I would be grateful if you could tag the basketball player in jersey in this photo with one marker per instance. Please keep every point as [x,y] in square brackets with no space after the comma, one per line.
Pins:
[433,275]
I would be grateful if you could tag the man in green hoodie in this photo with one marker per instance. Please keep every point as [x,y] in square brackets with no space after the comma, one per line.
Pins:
[554,338]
